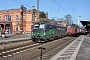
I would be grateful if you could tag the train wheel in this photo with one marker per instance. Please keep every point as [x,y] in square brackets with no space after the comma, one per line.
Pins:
[33,40]
[37,40]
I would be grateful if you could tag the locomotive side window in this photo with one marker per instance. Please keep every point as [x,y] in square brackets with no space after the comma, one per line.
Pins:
[36,26]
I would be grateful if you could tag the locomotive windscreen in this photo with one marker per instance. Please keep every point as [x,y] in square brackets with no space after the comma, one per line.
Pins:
[42,25]
[37,26]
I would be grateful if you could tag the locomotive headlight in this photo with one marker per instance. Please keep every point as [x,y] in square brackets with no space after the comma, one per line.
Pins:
[38,33]
[44,33]
[31,33]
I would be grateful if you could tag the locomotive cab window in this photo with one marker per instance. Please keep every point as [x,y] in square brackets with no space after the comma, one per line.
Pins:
[42,25]
[36,26]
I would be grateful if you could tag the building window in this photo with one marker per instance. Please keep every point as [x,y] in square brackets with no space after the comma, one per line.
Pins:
[20,16]
[7,18]
[16,17]
[0,18]
[16,27]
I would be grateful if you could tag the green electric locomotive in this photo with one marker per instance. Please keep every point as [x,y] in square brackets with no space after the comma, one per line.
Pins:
[46,31]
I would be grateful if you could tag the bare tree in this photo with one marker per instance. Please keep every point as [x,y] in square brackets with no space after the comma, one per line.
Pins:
[68,19]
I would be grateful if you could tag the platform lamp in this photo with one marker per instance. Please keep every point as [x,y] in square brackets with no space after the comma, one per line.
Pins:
[33,14]
[21,17]
[41,48]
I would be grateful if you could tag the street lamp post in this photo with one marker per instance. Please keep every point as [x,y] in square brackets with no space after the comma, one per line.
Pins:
[21,26]
[33,14]
[41,51]
[33,7]
[21,17]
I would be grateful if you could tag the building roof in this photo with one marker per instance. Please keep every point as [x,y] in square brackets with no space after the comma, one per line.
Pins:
[86,24]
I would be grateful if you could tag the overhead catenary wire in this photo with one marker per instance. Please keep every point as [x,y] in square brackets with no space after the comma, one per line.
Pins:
[30,6]
[63,8]
[45,4]
[60,6]
[22,3]
[54,9]
[69,5]
[49,6]
[71,8]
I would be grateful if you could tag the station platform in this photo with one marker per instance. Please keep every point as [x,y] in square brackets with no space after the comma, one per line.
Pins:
[15,38]
[79,49]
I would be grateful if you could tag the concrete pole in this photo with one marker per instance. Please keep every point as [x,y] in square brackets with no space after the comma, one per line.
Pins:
[79,20]
[37,10]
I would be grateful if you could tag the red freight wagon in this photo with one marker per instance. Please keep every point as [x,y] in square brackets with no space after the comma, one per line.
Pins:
[70,31]
[79,30]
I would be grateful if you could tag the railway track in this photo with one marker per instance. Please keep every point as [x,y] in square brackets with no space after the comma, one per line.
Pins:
[31,52]
[10,52]
[7,52]
[51,52]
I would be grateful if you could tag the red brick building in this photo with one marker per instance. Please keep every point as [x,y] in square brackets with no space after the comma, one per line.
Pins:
[10,20]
